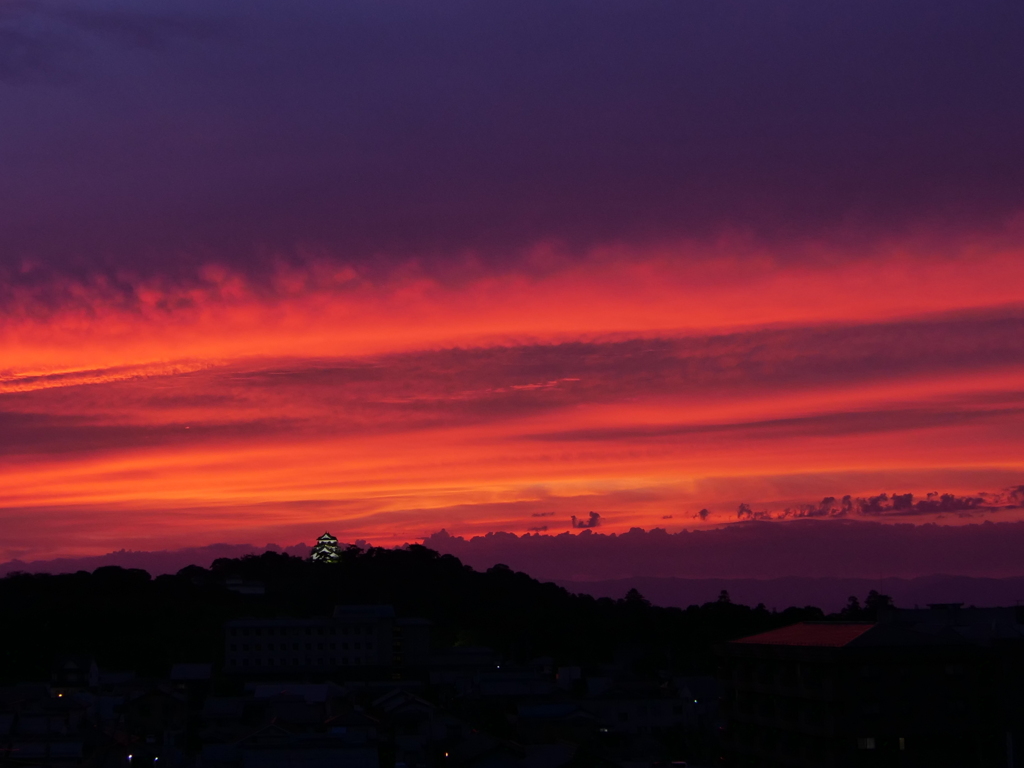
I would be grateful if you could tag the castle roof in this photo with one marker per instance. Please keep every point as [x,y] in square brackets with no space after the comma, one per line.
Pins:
[832,634]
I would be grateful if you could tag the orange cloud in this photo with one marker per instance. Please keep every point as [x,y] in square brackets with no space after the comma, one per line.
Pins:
[636,387]
[322,309]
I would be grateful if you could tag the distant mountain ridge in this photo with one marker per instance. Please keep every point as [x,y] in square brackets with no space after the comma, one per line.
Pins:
[828,593]
[801,548]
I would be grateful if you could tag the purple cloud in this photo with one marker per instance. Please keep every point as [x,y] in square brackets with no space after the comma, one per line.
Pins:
[593,520]
[754,550]
[360,129]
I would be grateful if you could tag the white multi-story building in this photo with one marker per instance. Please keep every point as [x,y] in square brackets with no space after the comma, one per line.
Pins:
[355,636]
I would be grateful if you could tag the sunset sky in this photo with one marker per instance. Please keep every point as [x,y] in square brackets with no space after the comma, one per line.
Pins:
[386,268]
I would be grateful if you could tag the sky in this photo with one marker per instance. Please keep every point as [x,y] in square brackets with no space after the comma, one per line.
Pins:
[393,268]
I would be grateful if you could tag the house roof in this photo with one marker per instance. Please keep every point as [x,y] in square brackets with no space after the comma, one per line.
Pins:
[191,672]
[311,693]
[399,700]
[833,634]
[352,720]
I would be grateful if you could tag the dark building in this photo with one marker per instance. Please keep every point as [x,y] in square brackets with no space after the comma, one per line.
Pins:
[936,687]
[71,674]
[41,727]
[355,636]
[156,716]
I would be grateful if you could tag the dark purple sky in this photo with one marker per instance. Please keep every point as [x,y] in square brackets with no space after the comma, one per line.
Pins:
[155,137]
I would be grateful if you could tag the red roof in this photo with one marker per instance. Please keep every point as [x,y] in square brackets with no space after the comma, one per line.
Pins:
[823,634]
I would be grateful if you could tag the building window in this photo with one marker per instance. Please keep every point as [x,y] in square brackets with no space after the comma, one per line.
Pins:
[866,742]
[903,744]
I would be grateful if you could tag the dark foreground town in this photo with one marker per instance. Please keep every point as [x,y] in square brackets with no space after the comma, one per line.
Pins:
[364,658]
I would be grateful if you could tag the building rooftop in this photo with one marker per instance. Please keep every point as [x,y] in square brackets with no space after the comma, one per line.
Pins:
[368,611]
[833,634]
[184,672]
[939,624]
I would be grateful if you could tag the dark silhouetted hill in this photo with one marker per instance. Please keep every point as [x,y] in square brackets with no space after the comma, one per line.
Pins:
[127,620]
[157,562]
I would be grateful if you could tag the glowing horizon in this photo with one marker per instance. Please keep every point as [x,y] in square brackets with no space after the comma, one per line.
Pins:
[644,424]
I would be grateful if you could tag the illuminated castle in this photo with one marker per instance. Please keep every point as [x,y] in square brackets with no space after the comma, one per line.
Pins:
[326,550]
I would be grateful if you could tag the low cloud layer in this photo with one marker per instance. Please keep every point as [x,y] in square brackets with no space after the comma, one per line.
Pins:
[754,550]
[896,505]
